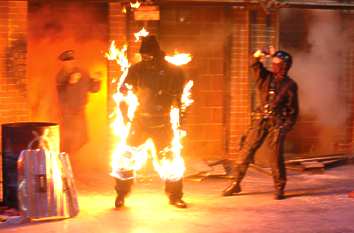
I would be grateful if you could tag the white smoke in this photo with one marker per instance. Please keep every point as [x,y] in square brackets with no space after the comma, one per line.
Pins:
[320,71]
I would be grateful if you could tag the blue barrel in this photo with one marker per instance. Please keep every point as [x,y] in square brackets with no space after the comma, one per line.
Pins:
[15,138]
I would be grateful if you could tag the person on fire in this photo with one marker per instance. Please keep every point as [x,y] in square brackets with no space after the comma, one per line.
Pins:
[73,86]
[271,121]
[158,85]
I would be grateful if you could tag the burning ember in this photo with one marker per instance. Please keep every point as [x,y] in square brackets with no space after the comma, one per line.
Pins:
[179,58]
[141,33]
[126,158]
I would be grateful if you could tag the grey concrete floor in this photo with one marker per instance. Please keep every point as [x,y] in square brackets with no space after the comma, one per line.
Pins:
[316,203]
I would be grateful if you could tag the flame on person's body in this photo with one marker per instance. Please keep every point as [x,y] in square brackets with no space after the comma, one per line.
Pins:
[173,168]
[141,33]
[126,158]
[135,5]
[179,58]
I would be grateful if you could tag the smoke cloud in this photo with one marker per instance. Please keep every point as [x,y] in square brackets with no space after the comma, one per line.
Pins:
[56,26]
[321,51]
[320,71]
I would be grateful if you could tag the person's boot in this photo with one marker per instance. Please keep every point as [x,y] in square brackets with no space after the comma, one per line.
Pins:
[123,188]
[279,194]
[179,203]
[174,191]
[119,203]
[279,186]
[232,189]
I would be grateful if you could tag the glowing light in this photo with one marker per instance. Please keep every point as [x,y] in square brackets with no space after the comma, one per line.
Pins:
[135,5]
[179,58]
[57,174]
[141,33]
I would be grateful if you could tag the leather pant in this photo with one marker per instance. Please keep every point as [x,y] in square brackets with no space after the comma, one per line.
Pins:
[263,131]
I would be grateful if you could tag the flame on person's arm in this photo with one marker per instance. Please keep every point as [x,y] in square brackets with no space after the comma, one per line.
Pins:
[179,58]
[142,33]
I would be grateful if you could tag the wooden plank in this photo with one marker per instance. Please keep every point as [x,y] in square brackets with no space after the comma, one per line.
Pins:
[319,158]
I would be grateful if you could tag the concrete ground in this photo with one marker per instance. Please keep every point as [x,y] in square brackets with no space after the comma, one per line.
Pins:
[316,203]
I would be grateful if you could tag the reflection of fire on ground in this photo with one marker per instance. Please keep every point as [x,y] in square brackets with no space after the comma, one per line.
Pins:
[128,158]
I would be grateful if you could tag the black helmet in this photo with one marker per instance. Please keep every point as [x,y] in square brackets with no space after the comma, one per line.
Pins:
[285,57]
[149,45]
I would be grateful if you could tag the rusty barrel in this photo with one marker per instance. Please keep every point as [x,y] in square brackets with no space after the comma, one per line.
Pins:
[15,138]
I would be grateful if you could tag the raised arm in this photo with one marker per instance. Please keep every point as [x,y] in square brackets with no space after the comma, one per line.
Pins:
[259,72]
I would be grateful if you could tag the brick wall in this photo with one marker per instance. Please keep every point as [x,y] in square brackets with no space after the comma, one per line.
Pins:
[13,47]
[239,87]
[203,32]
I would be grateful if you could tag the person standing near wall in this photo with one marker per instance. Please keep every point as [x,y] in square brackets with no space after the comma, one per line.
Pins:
[73,86]
[275,117]
[158,85]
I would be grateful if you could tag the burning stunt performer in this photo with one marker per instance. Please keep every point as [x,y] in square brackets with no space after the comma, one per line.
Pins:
[271,121]
[158,85]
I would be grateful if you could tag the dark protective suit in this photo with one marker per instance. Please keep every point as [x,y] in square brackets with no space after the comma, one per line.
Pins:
[72,102]
[276,115]
[158,85]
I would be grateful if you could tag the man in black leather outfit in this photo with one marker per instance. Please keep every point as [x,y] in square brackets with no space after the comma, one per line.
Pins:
[274,118]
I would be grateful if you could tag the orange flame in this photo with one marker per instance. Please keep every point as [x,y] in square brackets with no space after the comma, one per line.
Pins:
[135,5]
[173,168]
[186,98]
[179,58]
[129,158]
[141,33]
[120,56]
